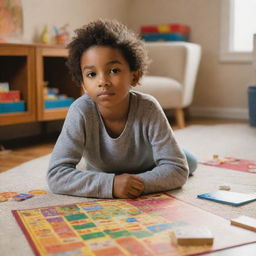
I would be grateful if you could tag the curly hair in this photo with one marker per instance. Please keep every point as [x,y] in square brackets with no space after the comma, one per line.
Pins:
[106,33]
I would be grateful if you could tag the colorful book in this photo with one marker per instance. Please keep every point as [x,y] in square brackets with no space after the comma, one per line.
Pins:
[59,103]
[12,107]
[10,96]
[228,197]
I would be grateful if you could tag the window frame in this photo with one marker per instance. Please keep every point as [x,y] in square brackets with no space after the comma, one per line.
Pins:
[226,54]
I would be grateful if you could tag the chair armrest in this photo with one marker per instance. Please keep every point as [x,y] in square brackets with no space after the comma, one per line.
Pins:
[176,60]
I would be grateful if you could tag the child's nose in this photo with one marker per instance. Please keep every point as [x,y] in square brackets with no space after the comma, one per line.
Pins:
[103,81]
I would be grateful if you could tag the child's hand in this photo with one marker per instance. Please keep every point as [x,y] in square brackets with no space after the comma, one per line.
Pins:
[128,186]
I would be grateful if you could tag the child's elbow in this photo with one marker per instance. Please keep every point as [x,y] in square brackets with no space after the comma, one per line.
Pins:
[183,176]
[52,185]
[51,181]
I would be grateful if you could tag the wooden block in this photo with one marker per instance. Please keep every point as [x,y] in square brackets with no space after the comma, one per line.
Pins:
[244,222]
[224,187]
[192,236]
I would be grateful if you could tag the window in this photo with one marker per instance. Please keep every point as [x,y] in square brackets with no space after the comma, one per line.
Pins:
[238,24]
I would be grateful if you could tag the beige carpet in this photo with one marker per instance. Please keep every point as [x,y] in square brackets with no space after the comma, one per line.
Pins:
[237,140]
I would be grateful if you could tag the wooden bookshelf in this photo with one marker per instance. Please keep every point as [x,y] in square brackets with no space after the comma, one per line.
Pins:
[26,68]
[17,68]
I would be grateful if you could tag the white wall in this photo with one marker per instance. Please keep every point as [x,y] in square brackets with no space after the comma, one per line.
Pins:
[38,13]
[221,88]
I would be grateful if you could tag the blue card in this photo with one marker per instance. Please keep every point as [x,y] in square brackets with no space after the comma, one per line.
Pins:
[228,197]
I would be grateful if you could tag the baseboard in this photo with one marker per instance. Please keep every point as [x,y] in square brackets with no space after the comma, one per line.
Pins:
[16,143]
[229,113]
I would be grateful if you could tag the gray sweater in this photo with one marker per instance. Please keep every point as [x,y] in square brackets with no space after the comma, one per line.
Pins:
[146,147]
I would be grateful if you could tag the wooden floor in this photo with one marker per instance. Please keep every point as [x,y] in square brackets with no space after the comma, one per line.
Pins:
[12,157]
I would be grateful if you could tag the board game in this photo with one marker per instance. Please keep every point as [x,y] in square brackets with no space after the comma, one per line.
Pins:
[121,227]
[232,163]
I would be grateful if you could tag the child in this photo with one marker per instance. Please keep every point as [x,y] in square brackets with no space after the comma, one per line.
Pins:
[123,135]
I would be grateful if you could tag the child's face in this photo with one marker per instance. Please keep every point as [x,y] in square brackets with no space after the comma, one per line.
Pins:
[107,76]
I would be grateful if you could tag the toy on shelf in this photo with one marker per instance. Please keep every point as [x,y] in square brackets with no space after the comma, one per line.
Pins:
[45,37]
[10,100]
[165,32]
[62,35]
[4,87]
[53,98]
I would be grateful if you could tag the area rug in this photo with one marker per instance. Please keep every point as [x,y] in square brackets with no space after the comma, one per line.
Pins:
[235,140]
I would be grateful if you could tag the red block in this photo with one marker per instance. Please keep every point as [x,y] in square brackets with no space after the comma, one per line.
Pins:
[148,29]
[10,96]
[180,28]
[166,28]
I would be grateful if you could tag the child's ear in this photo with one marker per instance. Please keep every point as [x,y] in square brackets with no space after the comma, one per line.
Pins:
[83,86]
[136,75]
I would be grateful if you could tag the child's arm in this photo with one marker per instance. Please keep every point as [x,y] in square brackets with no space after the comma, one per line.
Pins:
[171,170]
[63,177]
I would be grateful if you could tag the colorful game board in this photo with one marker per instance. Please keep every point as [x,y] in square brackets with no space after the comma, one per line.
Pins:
[123,227]
[233,164]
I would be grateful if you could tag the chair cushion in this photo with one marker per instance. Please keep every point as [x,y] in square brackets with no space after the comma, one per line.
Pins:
[167,91]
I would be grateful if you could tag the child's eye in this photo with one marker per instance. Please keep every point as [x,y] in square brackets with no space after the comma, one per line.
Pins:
[114,70]
[91,74]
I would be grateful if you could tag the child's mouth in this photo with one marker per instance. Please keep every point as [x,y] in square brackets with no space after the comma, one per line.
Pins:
[105,94]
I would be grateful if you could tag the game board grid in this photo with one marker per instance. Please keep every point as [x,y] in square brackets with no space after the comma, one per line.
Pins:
[104,228]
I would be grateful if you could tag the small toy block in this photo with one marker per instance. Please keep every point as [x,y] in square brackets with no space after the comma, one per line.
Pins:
[163,29]
[153,37]
[166,28]
[244,222]
[224,187]
[148,29]
[192,236]
[215,156]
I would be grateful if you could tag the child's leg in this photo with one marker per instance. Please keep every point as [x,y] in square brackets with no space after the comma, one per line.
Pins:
[192,161]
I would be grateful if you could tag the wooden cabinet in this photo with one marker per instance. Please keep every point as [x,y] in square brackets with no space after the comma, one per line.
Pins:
[17,68]
[26,68]
[51,68]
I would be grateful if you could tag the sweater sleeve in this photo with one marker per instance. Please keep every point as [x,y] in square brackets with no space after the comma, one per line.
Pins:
[171,168]
[62,176]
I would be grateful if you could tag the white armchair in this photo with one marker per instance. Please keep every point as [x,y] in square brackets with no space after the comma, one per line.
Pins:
[172,75]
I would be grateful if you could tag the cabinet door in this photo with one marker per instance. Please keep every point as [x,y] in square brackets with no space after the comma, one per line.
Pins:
[52,75]
[17,68]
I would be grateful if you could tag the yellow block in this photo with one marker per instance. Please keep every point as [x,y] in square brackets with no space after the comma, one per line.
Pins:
[163,28]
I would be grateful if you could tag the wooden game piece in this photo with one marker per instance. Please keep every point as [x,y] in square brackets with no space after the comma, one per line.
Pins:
[244,222]
[224,187]
[3,199]
[8,194]
[22,197]
[192,236]
[37,192]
